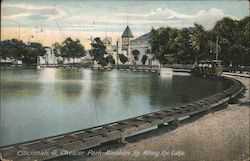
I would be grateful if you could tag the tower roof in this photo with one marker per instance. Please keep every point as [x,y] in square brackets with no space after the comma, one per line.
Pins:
[127,33]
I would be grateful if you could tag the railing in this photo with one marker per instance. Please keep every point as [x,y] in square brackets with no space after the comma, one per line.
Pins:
[239,69]
[179,66]
[91,137]
[77,65]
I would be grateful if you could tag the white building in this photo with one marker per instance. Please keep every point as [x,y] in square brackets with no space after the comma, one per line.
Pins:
[49,57]
[112,49]
[143,46]
[141,43]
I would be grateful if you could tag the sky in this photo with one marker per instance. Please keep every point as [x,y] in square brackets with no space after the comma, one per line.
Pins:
[49,21]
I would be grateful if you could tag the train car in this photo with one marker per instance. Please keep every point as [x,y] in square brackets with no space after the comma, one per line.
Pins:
[208,68]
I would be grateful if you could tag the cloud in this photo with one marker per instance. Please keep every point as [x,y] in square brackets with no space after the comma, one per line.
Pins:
[144,21]
[37,17]
[165,16]
[16,11]
[208,18]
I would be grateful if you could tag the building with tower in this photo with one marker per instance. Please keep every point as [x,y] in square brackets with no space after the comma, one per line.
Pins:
[126,43]
[141,44]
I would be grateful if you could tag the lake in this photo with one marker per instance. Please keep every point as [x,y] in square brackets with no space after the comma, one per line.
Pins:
[47,102]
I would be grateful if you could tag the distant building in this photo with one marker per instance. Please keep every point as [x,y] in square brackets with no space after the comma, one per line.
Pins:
[49,57]
[111,49]
[142,44]
[126,44]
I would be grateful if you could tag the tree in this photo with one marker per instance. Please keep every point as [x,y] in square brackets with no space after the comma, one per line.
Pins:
[144,59]
[157,41]
[98,51]
[163,45]
[135,53]
[110,59]
[57,48]
[188,45]
[123,58]
[198,41]
[13,48]
[34,51]
[148,51]
[18,50]
[72,49]
[243,39]
[184,53]
[225,29]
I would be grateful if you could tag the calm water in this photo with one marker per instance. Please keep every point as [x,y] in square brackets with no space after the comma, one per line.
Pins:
[41,103]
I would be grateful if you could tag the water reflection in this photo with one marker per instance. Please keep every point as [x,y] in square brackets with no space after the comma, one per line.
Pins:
[20,86]
[183,89]
[47,75]
[86,79]
[100,86]
[69,86]
[161,92]
[134,84]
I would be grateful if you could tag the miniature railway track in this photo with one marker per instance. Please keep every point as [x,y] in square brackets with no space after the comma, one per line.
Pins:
[84,139]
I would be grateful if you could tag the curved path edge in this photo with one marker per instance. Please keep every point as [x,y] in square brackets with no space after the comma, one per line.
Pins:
[53,147]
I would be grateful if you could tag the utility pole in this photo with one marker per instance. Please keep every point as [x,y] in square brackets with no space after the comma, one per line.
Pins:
[19,32]
[105,31]
[117,51]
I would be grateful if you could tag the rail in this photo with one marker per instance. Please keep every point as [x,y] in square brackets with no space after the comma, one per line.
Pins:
[240,69]
[84,139]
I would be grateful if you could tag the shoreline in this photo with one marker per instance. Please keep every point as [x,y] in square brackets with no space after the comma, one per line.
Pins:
[220,135]
[148,152]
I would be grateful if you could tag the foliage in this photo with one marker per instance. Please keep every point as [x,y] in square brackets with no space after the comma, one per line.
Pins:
[18,50]
[198,41]
[184,53]
[163,45]
[188,45]
[233,40]
[57,49]
[144,59]
[35,50]
[99,51]
[110,59]
[123,58]
[60,60]
[135,53]
[71,49]
[148,52]
[13,48]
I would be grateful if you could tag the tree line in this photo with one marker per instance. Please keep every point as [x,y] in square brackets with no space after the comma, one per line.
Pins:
[74,49]
[189,45]
[229,38]
[18,50]
[68,49]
